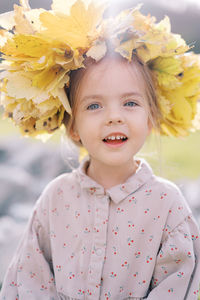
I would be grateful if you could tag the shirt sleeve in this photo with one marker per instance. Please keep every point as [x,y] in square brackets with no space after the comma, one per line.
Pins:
[30,273]
[177,270]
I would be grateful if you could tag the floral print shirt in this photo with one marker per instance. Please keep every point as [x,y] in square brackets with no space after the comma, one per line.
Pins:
[136,240]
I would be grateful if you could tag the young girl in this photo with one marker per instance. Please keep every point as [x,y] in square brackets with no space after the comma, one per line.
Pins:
[111,229]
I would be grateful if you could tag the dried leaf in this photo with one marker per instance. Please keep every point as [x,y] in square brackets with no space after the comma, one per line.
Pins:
[98,50]
[21,23]
[7,20]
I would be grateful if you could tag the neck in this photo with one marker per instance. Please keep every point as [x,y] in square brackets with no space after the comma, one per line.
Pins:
[109,176]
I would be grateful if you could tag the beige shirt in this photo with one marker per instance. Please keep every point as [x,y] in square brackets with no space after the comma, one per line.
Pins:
[137,240]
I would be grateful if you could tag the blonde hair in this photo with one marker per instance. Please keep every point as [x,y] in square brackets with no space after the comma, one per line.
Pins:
[77,76]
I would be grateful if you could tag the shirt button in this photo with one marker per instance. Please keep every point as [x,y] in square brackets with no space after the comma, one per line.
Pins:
[99,251]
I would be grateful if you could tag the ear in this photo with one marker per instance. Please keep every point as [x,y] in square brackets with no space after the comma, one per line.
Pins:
[74,134]
[150,126]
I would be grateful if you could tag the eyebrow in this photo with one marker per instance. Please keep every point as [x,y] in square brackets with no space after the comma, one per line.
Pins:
[98,96]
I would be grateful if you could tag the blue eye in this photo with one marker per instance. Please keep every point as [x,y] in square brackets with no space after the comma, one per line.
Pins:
[130,103]
[93,106]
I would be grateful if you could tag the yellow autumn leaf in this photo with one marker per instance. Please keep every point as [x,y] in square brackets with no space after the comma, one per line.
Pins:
[166,70]
[61,95]
[74,29]
[26,45]
[18,86]
[48,105]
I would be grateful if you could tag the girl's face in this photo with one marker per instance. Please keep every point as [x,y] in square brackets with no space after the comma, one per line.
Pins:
[111,119]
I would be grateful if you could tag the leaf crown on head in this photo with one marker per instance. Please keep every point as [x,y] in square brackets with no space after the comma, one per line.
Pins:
[40,48]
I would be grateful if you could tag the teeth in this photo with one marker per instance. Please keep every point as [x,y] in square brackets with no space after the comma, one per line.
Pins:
[118,137]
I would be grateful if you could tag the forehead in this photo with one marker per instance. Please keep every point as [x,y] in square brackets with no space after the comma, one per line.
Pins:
[112,75]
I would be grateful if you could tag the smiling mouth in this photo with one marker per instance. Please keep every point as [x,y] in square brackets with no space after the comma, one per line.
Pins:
[115,140]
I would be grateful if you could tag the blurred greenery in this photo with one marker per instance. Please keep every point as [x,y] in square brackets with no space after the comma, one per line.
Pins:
[172,158]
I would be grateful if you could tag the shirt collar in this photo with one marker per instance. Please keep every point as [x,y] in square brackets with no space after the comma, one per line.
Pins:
[119,192]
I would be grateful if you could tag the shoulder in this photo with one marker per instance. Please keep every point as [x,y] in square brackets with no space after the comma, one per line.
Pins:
[173,200]
[56,188]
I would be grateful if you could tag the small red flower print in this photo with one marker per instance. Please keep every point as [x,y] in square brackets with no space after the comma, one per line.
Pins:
[113,275]
[115,230]
[115,250]
[148,259]
[83,250]
[142,231]
[194,238]
[89,209]
[77,214]
[163,195]
[55,212]
[146,210]
[173,248]
[92,191]
[177,261]
[130,224]
[58,268]
[125,264]
[170,211]
[32,275]
[19,269]
[43,287]
[142,282]
[135,275]
[39,251]
[137,254]
[180,207]
[108,295]
[81,292]
[148,192]
[59,192]
[155,281]
[151,238]
[119,210]
[161,253]
[130,241]
[189,254]
[51,280]
[67,206]
[52,234]
[96,229]
[71,275]
[196,292]
[132,200]
[72,255]
[86,230]
[171,290]
[105,222]
[180,274]
[164,269]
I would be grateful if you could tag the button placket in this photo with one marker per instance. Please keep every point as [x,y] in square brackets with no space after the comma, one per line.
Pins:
[98,248]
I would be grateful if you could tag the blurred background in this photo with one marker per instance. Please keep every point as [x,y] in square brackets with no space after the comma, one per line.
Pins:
[27,165]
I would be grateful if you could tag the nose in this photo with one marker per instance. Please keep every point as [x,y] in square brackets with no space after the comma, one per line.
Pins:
[114,116]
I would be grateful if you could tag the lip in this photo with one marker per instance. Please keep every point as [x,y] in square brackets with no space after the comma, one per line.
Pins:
[117,145]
